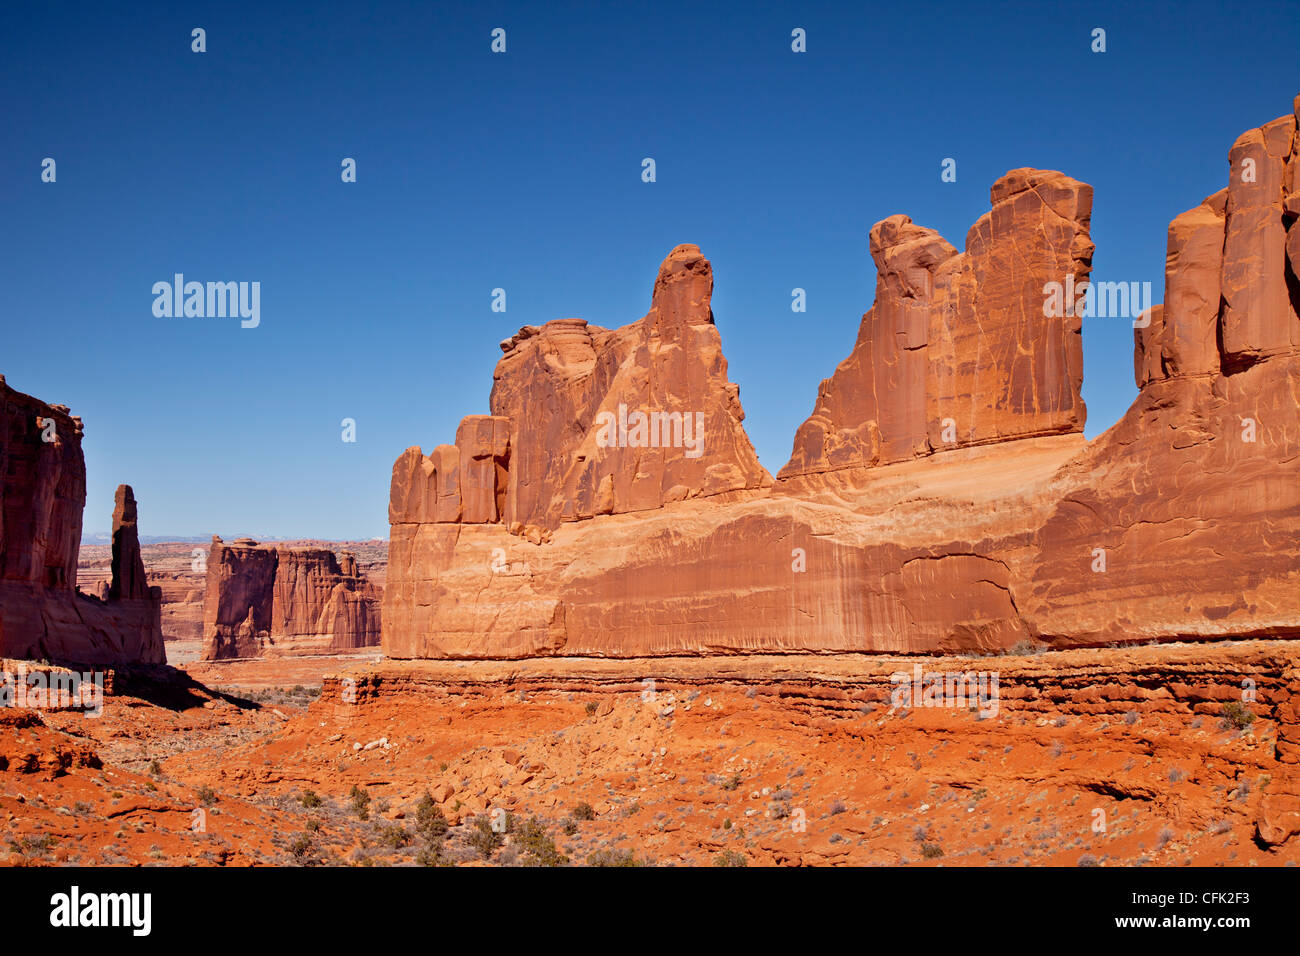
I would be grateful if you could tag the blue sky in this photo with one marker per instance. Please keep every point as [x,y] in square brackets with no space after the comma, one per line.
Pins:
[522,171]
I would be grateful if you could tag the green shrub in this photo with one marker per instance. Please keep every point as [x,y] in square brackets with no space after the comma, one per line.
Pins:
[614,858]
[429,819]
[393,835]
[1237,715]
[484,839]
[301,847]
[537,844]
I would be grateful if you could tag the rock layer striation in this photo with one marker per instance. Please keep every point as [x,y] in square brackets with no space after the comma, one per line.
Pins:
[940,499]
[268,601]
[42,495]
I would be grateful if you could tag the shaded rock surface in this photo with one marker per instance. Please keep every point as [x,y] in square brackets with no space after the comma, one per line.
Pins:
[42,495]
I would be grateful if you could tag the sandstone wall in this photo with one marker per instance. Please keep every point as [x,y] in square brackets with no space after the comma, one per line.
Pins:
[1193,496]
[269,601]
[1179,522]
[42,495]
[957,350]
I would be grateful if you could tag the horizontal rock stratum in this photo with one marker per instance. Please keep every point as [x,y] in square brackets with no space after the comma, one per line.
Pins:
[941,496]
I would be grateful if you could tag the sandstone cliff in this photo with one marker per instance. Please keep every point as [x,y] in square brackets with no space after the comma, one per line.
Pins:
[587,421]
[42,495]
[957,350]
[941,497]
[263,600]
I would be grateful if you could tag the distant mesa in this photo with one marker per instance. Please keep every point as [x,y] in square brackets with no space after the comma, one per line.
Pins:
[265,600]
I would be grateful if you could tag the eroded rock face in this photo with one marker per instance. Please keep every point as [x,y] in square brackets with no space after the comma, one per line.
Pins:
[614,422]
[262,600]
[957,349]
[128,565]
[1258,318]
[881,535]
[42,494]
[1182,519]
[585,421]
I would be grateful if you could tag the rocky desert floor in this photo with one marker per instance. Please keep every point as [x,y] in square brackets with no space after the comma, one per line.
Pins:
[358,762]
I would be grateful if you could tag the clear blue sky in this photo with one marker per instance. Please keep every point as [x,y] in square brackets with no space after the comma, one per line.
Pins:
[522,171]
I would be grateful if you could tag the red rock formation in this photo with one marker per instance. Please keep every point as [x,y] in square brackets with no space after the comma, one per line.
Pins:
[880,534]
[263,600]
[1193,496]
[43,492]
[588,421]
[1258,317]
[616,422]
[957,350]
[128,566]
[182,604]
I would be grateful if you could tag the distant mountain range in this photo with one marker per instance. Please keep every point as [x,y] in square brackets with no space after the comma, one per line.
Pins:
[106,538]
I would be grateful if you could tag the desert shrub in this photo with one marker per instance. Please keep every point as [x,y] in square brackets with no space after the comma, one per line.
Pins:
[360,802]
[584,811]
[431,855]
[614,858]
[34,845]
[931,851]
[730,858]
[310,799]
[301,847]
[393,835]
[1237,715]
[538,847]
[1024,647]
[206,796]
[429,819]
[591,708]
[484,839]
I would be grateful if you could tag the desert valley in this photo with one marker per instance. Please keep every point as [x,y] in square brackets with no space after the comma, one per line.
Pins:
[950,631]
